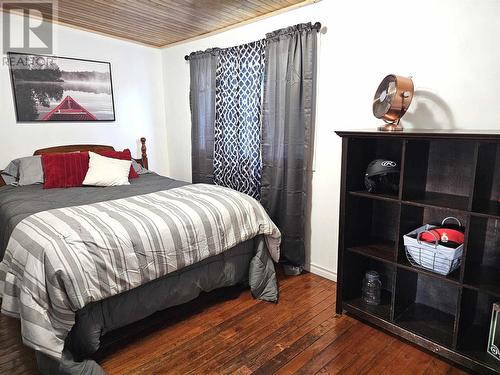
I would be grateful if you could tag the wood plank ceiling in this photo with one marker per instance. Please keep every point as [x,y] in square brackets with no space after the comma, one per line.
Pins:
[162,22]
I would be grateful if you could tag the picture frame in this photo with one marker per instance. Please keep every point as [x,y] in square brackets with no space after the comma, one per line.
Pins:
[494,336]
[61,89]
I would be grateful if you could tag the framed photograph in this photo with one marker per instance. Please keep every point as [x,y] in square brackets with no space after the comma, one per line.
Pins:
[51,88]
[494,337]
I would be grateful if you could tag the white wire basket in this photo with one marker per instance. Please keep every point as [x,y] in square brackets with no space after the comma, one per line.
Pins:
[432,256]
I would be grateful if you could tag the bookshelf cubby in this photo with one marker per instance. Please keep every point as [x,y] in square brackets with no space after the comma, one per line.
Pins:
[428,163]
[473,328]
[443,174]
[359,264]
[372,149]
[487,184]
[372,227]
[415,216]
[426,306]
[482,265]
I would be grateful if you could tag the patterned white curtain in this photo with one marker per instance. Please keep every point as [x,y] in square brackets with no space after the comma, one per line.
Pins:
[238,100]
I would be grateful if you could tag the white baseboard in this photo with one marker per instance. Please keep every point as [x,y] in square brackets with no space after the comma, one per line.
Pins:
[321,271]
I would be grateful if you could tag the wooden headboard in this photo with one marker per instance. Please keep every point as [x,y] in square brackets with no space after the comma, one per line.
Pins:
[72,148]
[143,160]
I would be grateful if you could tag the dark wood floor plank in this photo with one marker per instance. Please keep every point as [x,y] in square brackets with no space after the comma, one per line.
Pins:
[380,363]
[303,350]
[276,328]
[411,359]
[436,366]
[312,359]
[249,334]
[379,359]
[179,332]
[229,332]
[15,357]
[277,341]
[359,354]
[253,318]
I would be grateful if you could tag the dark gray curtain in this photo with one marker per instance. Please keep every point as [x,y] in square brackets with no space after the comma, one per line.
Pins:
[239,78]
[287,134]
[202,100]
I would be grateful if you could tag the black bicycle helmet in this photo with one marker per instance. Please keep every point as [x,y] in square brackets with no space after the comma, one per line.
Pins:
[382,176]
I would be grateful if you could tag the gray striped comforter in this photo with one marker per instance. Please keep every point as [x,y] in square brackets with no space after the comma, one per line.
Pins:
[60,260]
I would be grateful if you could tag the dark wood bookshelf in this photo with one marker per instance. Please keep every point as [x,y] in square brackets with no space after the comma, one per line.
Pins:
[489,208]
[453,277]
[377,249]
[433,199]
[443,173]
[428,322]
[485,278]
[383,310]
[387,197]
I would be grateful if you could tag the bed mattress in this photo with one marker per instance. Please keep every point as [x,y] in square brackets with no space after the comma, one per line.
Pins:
[249,260]
[19,202]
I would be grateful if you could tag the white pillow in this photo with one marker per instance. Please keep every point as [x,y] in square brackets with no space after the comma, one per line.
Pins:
[105,171]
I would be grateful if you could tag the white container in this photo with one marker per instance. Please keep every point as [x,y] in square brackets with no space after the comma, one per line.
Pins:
[431,256]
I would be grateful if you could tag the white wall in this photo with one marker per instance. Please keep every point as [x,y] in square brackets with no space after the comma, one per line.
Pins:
[138,94]
[450,47]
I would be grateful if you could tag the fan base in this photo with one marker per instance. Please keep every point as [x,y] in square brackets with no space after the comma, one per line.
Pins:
[391,127]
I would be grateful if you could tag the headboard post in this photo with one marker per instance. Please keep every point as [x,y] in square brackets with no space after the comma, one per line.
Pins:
[144,153]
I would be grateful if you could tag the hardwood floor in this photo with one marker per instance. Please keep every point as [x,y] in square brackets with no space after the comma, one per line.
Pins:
[228,332]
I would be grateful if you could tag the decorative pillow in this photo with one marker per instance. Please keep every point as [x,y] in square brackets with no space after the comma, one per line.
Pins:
[24,171]
[11,173]
[30,170]
[104,171]
[9,180]
[64,170]
[122,155]
[139,169]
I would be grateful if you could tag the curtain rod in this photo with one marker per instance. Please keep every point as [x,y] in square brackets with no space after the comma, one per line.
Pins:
[316,26]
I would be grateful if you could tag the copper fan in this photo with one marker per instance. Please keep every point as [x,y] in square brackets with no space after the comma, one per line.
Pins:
[392,99]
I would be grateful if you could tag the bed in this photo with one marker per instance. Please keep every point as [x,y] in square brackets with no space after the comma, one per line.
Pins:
[88,316]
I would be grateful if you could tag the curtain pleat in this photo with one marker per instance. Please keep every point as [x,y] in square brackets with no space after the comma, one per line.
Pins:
[202,102]
[287,132]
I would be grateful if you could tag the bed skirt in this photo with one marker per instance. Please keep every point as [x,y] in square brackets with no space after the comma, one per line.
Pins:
[246,263]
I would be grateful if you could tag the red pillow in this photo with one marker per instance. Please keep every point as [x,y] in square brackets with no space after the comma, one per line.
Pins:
[64,170]
[122,155]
